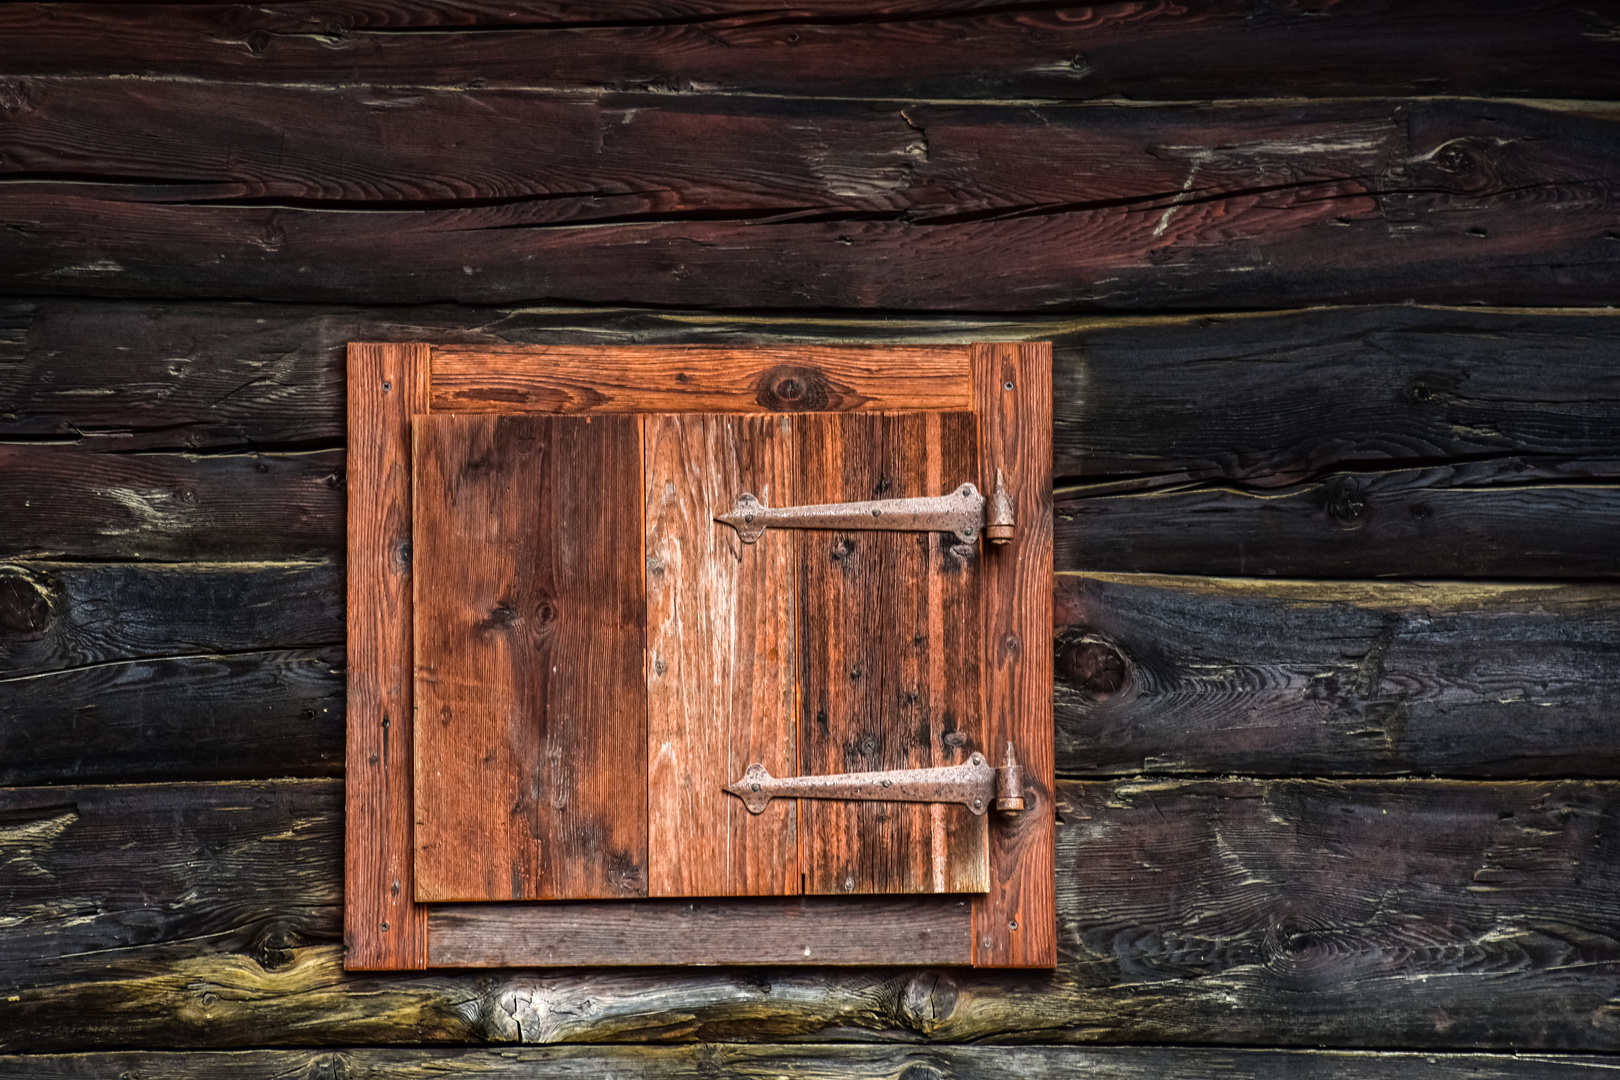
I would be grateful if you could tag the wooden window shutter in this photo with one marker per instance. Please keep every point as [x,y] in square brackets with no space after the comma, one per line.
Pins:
[571,657]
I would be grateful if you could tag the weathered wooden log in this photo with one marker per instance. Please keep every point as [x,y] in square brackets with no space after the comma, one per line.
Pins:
[1497,518]
[117,188]
[812,1061]
[1405,914]
[1260,398]
[62,616]
[67,502]
[959,50]
[1189,675]
[1481,519]
[135,672]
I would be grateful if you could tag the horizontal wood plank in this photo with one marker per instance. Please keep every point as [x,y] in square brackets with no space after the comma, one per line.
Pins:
[696,378]
[58,616]
[1398,914]
[170,507]
[117,189]
[1475,519]
[920,49]
[1140,401]
[1507,518]
[1154,674]
[811,1061]
[1176,674]
[232,716]
[870,931]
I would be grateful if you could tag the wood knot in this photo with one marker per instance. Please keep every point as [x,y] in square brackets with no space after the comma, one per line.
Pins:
[928,1001]
[1095,665]
[789,388]
[1347,505]
[25,608]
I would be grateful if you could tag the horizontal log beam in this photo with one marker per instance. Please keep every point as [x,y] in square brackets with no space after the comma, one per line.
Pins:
[973,49]
[181,672]
[1397,914]
[1481,519]
[117,187]
[1265,399]
[1506,518]
[814,1061]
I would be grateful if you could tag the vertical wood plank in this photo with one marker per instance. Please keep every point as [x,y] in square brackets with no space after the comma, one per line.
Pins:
[720,678]
[530,638]
[1015,923]
[880,684]
[383,927]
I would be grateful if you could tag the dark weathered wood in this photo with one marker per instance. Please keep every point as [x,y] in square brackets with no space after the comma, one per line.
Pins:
[382,925]
[695,378]
[1261,398]
[882,683]
[238,715]
[814,1061]
[927,49]
[59,616]
[1273,399]
[721,692]
[530,652]
[1153,674]
[63,503]
[1411,914]
[778,203]
[124,873]
[868,931]
[1485,518]
[1160,674]
[1501,517]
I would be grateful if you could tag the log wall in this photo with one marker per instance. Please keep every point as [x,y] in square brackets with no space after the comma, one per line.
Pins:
[1337,434]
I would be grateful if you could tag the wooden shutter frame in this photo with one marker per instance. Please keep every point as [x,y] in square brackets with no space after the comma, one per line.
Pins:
[1007,385]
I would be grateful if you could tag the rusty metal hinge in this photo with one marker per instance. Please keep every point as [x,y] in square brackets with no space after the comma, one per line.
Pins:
[975,785]
[961,512]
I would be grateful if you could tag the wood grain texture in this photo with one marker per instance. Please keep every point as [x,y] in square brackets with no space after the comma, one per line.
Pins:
[233,716]
[1413,914]
[1468,519]
[928,49]
[1506,518]
[888,663]
[58,616]
[530,638]
[1014,923]
[721,688]
[814,1061]
[169,507]
[1153,674]
[788,203]
[383,927]
[696,378]
[865,931]
[1261,398]
[1180,674]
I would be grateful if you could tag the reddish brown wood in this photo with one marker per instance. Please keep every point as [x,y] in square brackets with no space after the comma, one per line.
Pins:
[720,676]
[941,48]
[382,925]
[680,378]
[697,200]
[865,930]
[880,684]
[529,658]
[1015,923]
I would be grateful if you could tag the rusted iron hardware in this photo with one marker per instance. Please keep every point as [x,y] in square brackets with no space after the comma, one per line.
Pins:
[960,512]
[999,529]
[975,785]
